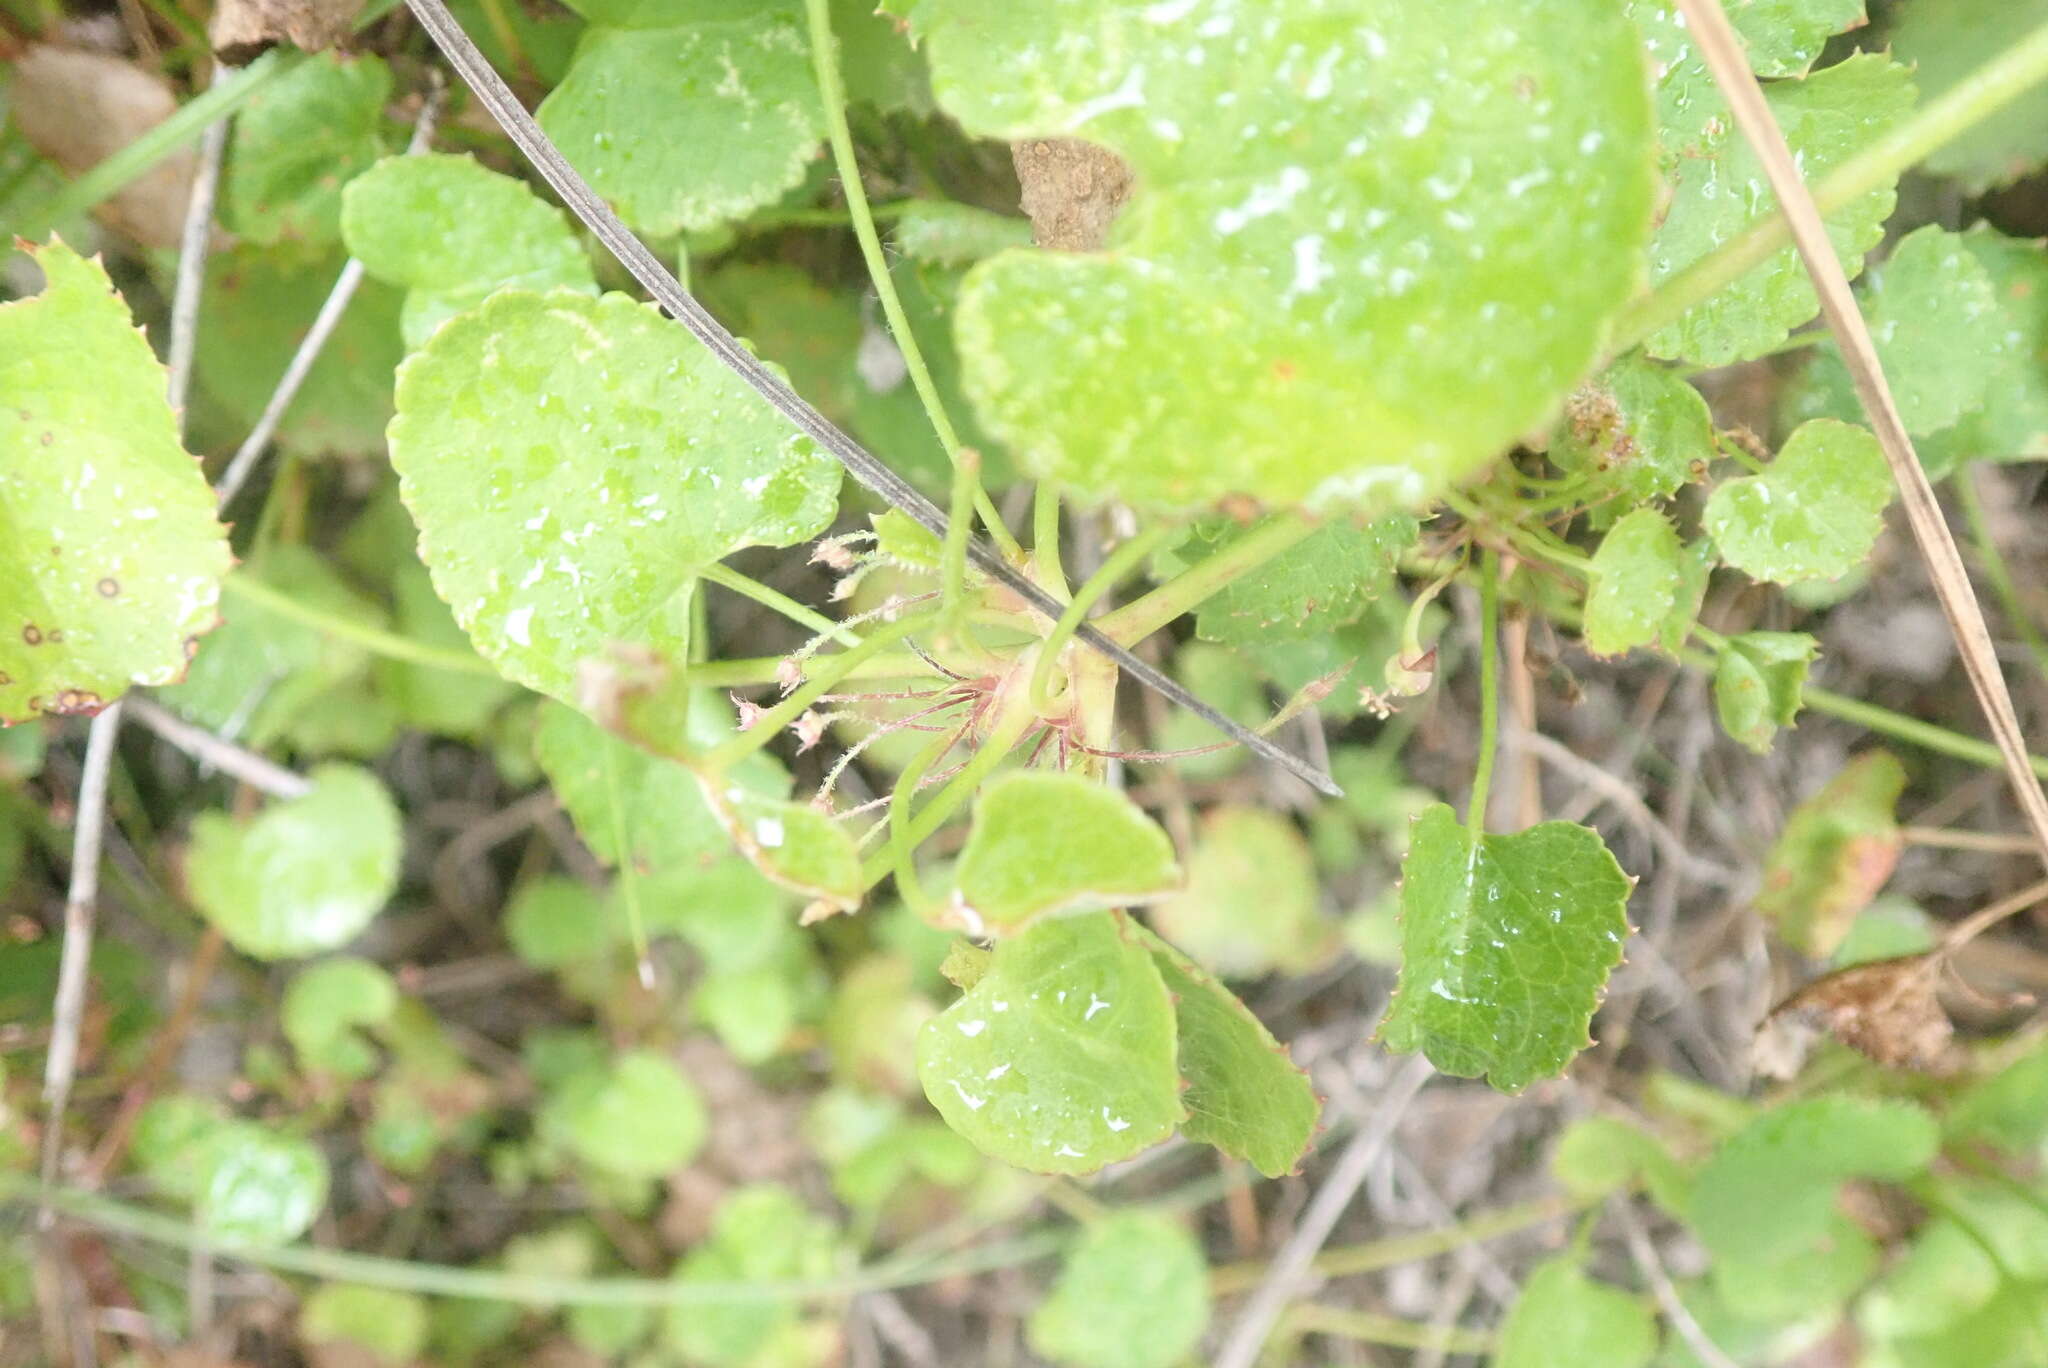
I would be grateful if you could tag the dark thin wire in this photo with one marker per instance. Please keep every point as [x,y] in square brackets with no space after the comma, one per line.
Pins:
[646,268]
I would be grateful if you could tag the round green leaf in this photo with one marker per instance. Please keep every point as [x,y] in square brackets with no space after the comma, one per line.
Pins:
[794,844]
[1253,903]
[638,1118]
[325,1003]
[1062,1057]
[762,1233]
[571,462]
[452,231]
[1353,218]
[1564,1317]
[1636,574]
[1640,432]
[385,1327]
[1133,1292]
[306,875]
[1939,328]
[298,142]
[258,1186]
[1046,842]
[1770,1189]
[688,115]
[1814,514]
[111,564]
[1313,588]
[1945,42]
[1759,684]
[1507,942]
[558,923]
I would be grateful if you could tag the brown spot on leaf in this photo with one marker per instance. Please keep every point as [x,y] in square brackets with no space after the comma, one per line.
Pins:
[56,635]
[1285,370]
[47,438]
[1072,191]
[32,634]
[191,647]
[109,587]
[74,701]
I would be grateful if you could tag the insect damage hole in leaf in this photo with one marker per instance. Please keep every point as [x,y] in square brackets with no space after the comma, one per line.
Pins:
[1507,942]
[111,566]
[1347,220]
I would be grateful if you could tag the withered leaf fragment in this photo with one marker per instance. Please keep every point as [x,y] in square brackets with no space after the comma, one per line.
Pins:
[242,29]
[1885,1009]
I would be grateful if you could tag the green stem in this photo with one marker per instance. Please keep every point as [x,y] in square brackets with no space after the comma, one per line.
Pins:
[959,526]
[902,849]
[190,120]
[629,876]
[371,639]
[832,91]
[824,673]
[1489,690]
[1118,564]
[1984,93]
[822,218]
[1371,1327]
[1912,730]
[1142,617]
[1992,562]
[526,1289]
[763,670]
[725,577]
[1045,539]
[1000,741]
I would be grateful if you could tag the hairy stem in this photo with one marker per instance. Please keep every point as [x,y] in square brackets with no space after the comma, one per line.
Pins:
[1489,690]
[1118,564]
[725,577]
[1000,741]
[824,673]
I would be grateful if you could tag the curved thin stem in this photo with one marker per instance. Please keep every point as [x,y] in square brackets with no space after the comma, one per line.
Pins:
[825,673]
[1115,567]
[1142,617]
[998,743]
[902,849]
[832,90]
[1045,539]
[725,577]
[371,639]
[1489,690]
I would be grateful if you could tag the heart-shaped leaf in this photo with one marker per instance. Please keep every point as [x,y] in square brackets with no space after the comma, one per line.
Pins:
[1349,219]
[325,1005]
[794,844]
[1046,842]
[1759,684]
[1814,514]
[297,144]
[1563,1317]
[636,458]
[111,565]
[306,875]
[1133,1292]
[1061,1058]
[1507,942]
[1936,319]
[1639,432]
[635,1117]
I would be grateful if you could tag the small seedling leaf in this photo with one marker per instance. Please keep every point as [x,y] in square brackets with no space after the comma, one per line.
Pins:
[1814,514]
[1759,684]
[1133,1292]
[1636,575]
[1046,842]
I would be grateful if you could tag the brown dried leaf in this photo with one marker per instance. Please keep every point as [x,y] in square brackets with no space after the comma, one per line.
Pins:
[242,29]
[1072,190]
[1886,1009]
[78,108]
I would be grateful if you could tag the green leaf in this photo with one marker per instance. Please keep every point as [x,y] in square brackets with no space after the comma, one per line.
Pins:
[1835,853]
[1597,1155]
[637,458]
[374,1325]
[1507,942]
[1782,38]
[1253,903]
[323,1007]
[2013,423]
[1244,1095]
[762,1234]
[1808,1283]
[306,875]
[2009,1108]
[1564,1317]
[629,804]
[1636,575]
[1640,432]
[258,1186]
[1768,1191]
[1283,289]
[636,1117]
[751,1011]
[1759,684]
[794,844]
[1317,586]
[1943,1276]
[559,923]
[1946,42]
[1133,1292]
[1695,568]
[451,231]
[111,558]
[1046,842]
[445,702]
[1814,514]
[949,234]
[1062,1057]
[1719,186]
[1937,322]
[258,304]
[298,142]
[689,115]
